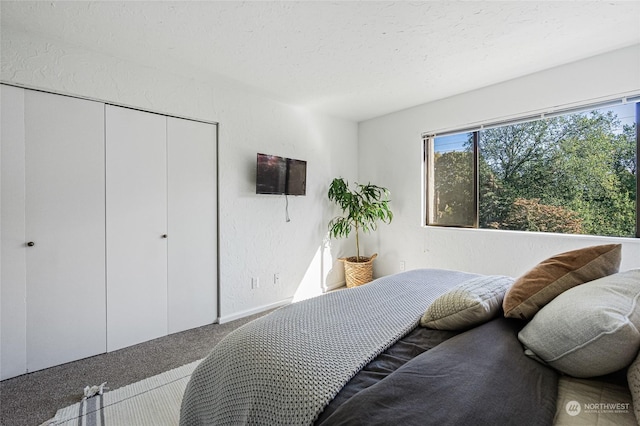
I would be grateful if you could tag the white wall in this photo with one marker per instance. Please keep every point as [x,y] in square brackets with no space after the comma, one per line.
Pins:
[255,240]
[390,152]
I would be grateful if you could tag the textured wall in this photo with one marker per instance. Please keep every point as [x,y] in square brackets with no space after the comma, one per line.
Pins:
[255,240]
[391,155]
[355,59]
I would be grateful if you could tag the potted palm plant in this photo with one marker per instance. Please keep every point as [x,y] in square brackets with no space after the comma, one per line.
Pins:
[363,206]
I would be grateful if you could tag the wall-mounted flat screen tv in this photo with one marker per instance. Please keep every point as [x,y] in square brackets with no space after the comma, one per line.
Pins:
[279,175]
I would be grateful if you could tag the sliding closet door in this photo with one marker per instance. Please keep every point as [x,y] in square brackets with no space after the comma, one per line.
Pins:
[13,285]
[192,224]
[136,226]
[65,242]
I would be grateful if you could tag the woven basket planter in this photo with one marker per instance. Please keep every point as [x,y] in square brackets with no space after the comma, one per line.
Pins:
[358,273]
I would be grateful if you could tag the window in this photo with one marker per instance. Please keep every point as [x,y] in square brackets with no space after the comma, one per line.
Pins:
[452,182]
[575,172]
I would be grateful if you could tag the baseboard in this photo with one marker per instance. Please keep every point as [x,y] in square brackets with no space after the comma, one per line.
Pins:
[228,318]
[242,314]
[335,286]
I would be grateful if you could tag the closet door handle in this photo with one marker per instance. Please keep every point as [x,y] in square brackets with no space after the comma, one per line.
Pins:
[31,244]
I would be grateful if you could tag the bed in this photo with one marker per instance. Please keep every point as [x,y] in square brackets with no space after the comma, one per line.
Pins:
[433,346]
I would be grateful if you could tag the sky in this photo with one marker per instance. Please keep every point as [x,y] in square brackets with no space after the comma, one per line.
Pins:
[451,143]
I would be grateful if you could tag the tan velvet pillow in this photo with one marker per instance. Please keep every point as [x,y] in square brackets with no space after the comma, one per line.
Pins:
[559,273]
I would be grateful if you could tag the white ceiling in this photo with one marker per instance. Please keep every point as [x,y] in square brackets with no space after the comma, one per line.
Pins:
[356,60]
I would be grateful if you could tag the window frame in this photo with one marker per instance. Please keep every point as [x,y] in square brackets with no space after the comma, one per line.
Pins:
[428,141]
[638,167]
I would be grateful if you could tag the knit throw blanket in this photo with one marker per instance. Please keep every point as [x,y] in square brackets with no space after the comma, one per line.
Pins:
[285,367]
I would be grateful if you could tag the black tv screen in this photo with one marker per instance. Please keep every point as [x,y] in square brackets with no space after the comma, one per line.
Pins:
[271,174]
[296,177]
[279,175]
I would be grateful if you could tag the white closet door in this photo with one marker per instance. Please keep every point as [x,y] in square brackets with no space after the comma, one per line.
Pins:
[192,224]
[136,223]
[13,285]
[65,222]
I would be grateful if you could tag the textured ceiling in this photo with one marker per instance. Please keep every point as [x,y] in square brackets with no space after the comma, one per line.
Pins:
[356,60]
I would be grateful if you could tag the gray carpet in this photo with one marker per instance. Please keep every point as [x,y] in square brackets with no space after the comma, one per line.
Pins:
[33,398]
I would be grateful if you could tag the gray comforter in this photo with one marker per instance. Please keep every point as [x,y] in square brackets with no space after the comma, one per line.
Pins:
[284,368]
[480,377]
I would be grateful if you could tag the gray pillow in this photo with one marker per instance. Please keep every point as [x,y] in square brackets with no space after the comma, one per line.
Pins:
[589,330]
[468,304]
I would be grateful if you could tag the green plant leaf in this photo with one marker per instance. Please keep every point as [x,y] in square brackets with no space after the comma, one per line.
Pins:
[362,207]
